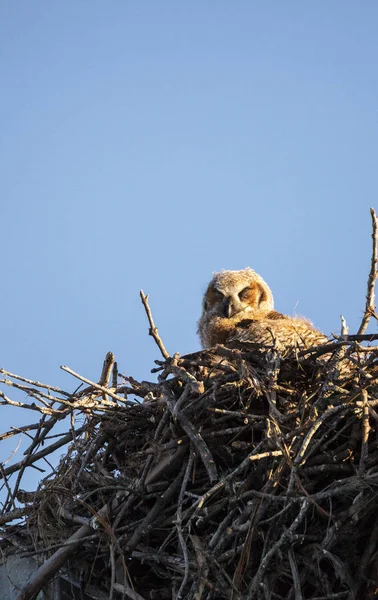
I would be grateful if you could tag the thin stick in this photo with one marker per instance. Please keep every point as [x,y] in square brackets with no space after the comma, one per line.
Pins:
[95,385]
[42,409]
[38,395]
[286,537]
[370,295]
[295,576]
[42,453]
[365,433]
[153,331]
[267,454]
[316,351]
[106,371]
[323,417]
[17,430]
[195,437]
[183,545]
[126,589]
[221,484]
[35,383]
[18,513]
[164,499]
[115,375]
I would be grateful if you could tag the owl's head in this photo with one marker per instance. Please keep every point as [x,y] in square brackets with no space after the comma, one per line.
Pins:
[233,296]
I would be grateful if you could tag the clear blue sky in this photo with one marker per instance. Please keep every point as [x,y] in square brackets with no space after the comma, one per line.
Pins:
[146,144]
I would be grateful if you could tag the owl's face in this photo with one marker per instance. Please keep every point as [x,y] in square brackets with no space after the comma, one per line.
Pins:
[233,296]
[233,292]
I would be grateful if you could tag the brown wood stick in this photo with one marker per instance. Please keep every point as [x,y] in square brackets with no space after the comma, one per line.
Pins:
[153,331]
[370,294]
[48,569]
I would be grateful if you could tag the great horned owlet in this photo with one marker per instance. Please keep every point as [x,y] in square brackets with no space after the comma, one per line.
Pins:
[238,306]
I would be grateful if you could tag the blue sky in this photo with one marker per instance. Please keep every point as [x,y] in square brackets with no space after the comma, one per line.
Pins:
[148,144]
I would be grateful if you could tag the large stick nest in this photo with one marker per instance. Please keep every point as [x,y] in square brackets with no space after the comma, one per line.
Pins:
[238,476]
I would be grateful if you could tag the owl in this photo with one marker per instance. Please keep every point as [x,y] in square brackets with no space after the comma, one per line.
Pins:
[238,307]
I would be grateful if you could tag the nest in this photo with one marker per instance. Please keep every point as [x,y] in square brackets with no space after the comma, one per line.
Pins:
[238,475]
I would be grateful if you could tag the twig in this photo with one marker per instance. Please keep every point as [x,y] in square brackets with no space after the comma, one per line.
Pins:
[153,331]
[296,579]
[365,433]
[370,295]
[96,386]
[42,409]
[369,550]
[106,369]
[18,513]
[47,549]
[195,437]
[35,383]
[105,375]
[329,412]
[268,454]
[115,375]
[286,537]
[129,593]
[112,569]
[9,502]
[183,545]
[220,485]
[153,513]
[17,430]
[316,351]
[202,565]
[38,395]
[28,452]
[48,450]
[182,374]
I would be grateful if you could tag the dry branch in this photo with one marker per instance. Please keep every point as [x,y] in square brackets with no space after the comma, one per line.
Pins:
[153,331]
[370,294]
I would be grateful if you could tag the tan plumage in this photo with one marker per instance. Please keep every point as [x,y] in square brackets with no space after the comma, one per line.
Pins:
[238,307]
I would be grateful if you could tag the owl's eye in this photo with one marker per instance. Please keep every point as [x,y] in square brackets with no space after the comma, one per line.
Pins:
[244,293]
[213,297]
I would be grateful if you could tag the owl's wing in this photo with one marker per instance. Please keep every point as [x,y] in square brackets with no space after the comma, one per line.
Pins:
[287,335]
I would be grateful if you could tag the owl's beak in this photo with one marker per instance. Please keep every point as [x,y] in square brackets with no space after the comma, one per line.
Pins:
[228,307]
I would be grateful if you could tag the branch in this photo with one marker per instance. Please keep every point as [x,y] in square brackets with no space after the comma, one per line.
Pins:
[42,409]
[42,453]
[365,433]
[48,569]
[285,538]
[96,386]
[194,436]
[106,369]
[153,331]
[35,383]
[18,513]
[370,295]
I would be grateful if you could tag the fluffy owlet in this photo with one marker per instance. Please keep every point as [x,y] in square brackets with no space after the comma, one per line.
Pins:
[238,306]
